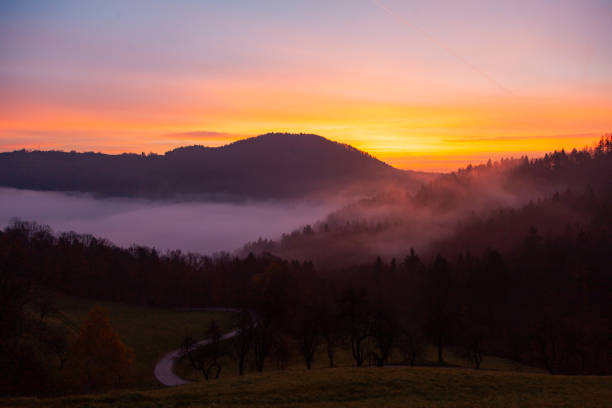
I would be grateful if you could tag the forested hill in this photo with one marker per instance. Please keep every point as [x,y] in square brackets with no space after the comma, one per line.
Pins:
[491,205]
[269,166]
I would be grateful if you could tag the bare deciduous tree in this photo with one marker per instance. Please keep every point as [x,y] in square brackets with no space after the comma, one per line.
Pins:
[205,357]
[411,344]
[243,341]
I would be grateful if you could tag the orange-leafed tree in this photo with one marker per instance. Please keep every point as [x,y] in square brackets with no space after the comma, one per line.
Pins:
[99,359]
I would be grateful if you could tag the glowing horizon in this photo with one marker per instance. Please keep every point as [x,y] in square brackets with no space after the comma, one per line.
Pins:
[415,87]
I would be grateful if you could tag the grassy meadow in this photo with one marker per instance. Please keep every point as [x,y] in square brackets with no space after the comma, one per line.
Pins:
[150,332]
[392,386]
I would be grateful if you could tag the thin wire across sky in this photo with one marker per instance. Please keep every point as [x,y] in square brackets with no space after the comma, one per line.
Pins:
[441,46]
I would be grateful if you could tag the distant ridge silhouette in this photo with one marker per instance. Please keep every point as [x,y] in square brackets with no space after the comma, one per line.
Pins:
[274,165]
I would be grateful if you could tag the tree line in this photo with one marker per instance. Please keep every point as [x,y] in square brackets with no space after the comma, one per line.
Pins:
[546,303]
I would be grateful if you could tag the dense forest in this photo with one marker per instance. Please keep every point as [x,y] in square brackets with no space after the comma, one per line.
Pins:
[271,166]
[529,280]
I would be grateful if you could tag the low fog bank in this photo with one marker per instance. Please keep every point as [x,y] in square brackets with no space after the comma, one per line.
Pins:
[202,227]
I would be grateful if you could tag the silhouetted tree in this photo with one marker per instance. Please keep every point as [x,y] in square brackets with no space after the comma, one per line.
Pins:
[440,311]
[243,340]
[307,332]
[205,356]
[358,322]
[411,344]
[384,333]
[330,327]
[471,346]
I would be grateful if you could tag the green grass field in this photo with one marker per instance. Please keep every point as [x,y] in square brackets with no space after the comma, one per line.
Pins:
[150,332]
[361,387]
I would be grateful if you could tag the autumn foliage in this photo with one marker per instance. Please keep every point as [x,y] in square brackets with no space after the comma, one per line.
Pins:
[99,359]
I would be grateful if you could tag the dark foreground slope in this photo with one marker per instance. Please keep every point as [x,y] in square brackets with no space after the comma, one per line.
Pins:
[361,387]
[268,166]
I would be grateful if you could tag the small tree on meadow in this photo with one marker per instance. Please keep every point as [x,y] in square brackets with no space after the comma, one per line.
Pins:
[411,345]
[308,333]
[242,342]
[358,322]
[205,357]
[98,358]
[384,334]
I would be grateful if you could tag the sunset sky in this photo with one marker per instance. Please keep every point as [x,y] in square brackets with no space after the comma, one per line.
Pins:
[429,85]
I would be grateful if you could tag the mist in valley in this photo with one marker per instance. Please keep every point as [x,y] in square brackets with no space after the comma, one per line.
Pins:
[340,229]
[196,226]
[479,207]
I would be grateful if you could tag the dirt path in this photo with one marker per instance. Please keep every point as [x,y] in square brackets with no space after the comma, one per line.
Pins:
[164,368]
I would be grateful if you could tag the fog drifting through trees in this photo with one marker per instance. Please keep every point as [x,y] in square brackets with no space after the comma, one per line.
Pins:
[203,227]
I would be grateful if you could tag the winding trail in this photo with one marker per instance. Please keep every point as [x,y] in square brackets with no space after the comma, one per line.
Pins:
[164,372]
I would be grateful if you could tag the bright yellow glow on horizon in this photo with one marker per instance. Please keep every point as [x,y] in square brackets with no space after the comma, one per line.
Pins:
[429,137]
[436,88]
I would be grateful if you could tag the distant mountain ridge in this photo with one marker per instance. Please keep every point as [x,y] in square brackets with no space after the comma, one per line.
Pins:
[274,165]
